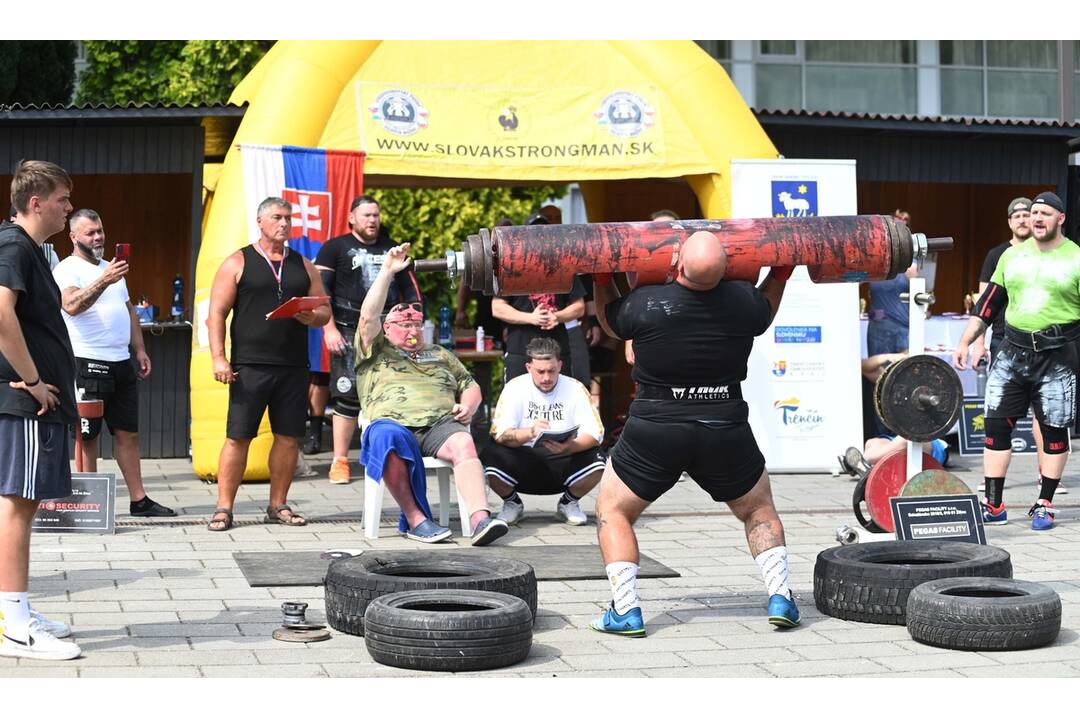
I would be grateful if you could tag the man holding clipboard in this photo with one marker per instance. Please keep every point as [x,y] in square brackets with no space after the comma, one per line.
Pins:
[268,367]
[547,435]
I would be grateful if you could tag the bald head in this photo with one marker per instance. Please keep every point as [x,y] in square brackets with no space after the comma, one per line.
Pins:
[702,261]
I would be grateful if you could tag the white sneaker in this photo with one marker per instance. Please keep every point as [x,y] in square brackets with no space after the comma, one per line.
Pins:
[39,645]
[511,512]
[571,513]
[55,628]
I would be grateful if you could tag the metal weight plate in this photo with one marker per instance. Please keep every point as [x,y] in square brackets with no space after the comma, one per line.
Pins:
[934,482]
[294,635]
[919,398]
[885,480]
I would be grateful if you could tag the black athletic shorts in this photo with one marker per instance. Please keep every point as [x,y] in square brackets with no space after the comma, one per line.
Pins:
[723,459]
[343,375]
[117,384]
[281,388]
[1020,378]
[34,460]
[535,472]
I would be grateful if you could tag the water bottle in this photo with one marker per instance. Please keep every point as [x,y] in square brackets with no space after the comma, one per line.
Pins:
[446,335]
[480,339]
[980,378]
[177,298]
[429,332]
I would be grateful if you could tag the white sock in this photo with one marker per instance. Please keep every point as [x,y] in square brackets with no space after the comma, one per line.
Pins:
[623,577]
[773,564]
[15,615]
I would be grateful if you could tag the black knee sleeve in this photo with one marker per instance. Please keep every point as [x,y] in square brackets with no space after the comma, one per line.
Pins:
[90,428]
[999,433]
[1055,440]
[348,407]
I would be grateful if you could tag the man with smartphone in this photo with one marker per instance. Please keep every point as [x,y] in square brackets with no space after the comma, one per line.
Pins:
[104,328]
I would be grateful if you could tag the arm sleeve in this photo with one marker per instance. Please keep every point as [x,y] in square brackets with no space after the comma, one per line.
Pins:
[585,415]
[461,374]
[327,258]
[13,267]
[989,266]
[620,317]
[507,411]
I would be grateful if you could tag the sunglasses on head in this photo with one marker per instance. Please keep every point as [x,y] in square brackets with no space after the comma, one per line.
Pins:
[418,307]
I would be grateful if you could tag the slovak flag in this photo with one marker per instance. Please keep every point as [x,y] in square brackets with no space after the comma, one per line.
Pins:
[320,185]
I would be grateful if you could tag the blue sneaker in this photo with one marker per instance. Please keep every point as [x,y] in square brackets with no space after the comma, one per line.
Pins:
[782,611]
[631,624]
[488,531]
[994,515]
[1042,515]
[428,531]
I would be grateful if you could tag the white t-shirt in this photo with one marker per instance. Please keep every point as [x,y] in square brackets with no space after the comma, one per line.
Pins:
[102,332]
[568,404]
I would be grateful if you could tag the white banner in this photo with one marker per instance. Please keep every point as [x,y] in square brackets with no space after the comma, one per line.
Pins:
[803,385]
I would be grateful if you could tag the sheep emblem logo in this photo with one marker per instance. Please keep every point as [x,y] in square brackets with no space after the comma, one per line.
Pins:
[794,198]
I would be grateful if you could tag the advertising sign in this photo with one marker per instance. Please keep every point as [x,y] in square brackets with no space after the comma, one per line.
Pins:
[939,517]
[808,361]
[91,507]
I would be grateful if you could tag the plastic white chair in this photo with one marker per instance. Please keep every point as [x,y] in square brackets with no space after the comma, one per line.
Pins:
[444,472]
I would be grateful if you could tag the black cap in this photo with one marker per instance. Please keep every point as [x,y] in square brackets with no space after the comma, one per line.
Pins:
[537,219]
[1049,198]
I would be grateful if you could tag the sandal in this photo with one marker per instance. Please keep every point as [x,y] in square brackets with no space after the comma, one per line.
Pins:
[225,524]
[277,515]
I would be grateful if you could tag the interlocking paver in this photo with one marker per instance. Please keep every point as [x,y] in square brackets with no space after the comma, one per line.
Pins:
[167,599]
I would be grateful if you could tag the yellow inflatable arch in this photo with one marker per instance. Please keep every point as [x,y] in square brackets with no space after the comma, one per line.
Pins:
[470,113]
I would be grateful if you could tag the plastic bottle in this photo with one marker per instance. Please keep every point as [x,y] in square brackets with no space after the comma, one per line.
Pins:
[446,335]
[429,332]
[177,298]
[480,339]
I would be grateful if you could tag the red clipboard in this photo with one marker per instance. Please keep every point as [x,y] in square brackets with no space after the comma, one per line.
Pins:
[290,307]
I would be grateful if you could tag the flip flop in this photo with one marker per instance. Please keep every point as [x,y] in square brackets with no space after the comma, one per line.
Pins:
[274,515]
[226,524]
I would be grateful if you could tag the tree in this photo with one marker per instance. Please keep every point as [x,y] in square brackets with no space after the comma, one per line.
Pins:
[166,71]
[37,72]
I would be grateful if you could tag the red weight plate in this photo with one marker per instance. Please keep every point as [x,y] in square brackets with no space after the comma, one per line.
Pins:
[885,480]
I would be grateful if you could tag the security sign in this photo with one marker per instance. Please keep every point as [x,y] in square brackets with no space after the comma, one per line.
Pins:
[91,507]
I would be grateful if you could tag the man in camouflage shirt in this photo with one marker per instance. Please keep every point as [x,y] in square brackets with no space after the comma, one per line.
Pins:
[406,386]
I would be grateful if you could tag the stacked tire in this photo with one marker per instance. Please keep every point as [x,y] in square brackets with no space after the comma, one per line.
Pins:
[436,610]
[949,594]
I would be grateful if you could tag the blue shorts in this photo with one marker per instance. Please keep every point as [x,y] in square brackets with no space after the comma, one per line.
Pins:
[34,458]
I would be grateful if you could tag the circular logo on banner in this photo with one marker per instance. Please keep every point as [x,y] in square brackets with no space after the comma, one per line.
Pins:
[50,505]
[344,385]
[399,112]
[625,114]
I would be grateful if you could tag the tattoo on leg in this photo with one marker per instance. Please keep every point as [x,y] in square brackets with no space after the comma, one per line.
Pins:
[764,534]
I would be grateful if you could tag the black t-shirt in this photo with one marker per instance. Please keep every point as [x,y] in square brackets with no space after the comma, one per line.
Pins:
[518,336]
[689,339]
[256,340]
[24,269]
[355,267]
[987,272]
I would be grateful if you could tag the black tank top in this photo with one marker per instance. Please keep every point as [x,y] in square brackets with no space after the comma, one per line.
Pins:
[256,340]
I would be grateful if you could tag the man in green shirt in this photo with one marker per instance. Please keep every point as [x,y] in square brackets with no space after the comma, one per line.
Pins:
[1037,283]
[423,390]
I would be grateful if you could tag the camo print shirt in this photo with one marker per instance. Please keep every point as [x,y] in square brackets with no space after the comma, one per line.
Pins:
[416,392]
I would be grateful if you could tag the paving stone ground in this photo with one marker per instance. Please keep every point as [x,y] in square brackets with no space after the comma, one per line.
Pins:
[166,599]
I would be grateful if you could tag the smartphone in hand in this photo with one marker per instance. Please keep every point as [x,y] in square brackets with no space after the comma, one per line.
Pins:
[123,252]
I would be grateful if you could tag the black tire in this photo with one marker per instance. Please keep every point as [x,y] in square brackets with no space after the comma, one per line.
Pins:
[352,583]
[984,614]
[870,582]
[448,630]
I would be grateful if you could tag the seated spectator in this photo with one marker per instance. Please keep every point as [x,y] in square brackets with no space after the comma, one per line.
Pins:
[409,388]
[520,460]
